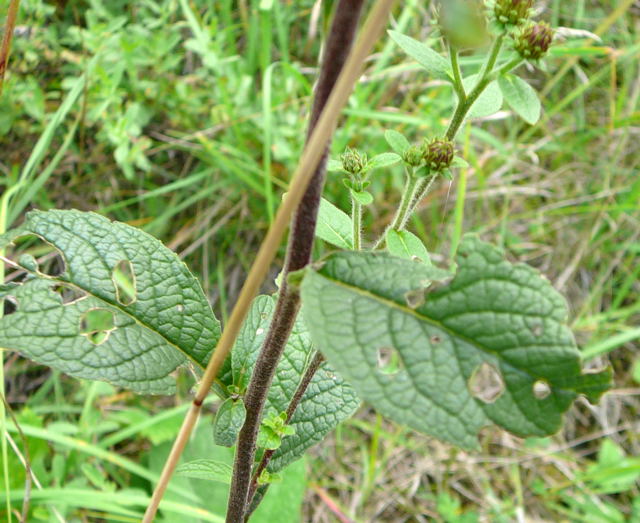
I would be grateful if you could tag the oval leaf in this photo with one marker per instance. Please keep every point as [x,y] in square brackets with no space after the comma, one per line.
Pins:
[383,160]
[397,141]
[362,197]
[334,226]
[228,422]
[521,97]
[407,245]
[433,62]
[135,343]
[492,344]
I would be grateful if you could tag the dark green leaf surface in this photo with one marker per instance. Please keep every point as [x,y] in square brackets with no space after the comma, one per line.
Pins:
[361,305]
[228,422]
[168,320]
[327,401]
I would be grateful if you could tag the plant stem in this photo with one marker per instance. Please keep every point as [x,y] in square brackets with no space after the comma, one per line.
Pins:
[339,42]
[422,189]
[291,409]
[356,216]
[485,79]
[457,75]
[311,157]
[405,202]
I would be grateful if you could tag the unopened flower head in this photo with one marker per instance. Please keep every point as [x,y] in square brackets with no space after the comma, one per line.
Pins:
[414,156]
[512,12]
[438,154]
[352,161]
[534,40]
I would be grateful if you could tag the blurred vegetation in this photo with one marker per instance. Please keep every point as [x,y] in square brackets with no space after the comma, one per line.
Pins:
[186,118]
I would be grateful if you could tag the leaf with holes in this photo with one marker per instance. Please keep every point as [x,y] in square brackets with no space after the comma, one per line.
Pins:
[327,400]
[125,310]
[492,344]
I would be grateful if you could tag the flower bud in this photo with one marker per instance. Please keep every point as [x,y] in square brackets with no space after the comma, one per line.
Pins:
[413,156]
[352,161]
[463,23]
[512,12]
[438,154]
[534,40]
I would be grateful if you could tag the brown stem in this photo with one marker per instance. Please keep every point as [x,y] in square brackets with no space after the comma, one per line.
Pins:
[339,42]
[5,47]
[291,409]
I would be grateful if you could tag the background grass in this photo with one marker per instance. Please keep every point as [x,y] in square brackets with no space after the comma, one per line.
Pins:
[186,118]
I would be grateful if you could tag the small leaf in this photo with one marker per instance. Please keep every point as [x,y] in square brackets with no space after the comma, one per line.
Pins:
[488,103]
[228,422]
[334,226]
[133,332]
[493,315]
[383,160]
[362,197]
[521,97]
[334,166]
[428,58]
[205,469]
[268,438]
[459,161]
[407,245]
[397,141]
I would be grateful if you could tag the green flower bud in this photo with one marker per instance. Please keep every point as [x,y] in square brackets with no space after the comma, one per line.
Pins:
[413,156]
[512,12]
[352,161]
[463,23]
[534,40]
[438,154]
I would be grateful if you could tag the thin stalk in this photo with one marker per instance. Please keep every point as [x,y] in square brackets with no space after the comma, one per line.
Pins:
[356,217]
[291,409]
[485,79]
[400,217]
[311,156]
[457,75]
[339,41]
[422,189]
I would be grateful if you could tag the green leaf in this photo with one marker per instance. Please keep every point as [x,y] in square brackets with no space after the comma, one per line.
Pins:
[327,401]
[228,422]
[383,160]
[407,245]
[135,343]
[521,97]
[334,226]
[459,161]
[205,469]
[488,103]
[397,141]
[362,197]
[494,321]
[428,58]
[283,502]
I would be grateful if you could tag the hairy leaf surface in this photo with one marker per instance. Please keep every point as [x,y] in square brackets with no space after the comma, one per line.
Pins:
[327,401]
[134,342]
[364,307]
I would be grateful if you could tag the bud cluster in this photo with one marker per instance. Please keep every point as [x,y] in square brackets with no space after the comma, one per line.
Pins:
[353,161]
[512,12]
[533,40]
[438,154]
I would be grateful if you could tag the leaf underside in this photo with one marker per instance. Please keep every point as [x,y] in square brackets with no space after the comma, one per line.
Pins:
[360,306]
[148,335]
[327,401]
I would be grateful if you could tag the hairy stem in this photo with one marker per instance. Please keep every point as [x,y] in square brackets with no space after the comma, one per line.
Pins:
[291,409]
[356,216]
[311,156]
[404,209]
[457,75]
[339,42]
